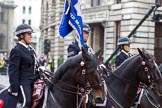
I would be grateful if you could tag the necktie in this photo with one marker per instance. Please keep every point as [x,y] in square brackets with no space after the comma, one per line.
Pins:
[29,48]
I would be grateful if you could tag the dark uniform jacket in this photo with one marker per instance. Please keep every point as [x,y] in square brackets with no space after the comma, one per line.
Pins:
[74,49]
[121,58]
[21,67]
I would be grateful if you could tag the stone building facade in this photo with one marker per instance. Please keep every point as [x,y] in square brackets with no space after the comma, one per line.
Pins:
[108,19]
[6,26]
[28,12]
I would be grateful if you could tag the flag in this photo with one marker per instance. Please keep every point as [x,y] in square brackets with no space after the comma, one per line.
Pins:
[72,19]
[65,28]
[75,19]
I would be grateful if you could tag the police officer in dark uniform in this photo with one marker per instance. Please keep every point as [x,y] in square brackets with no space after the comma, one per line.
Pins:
[74,48]
[124,44]
[22,64]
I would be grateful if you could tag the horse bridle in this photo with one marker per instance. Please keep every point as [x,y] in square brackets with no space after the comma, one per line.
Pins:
[85,75]
[151,81]
[142,85]
[82,91]
[150,98]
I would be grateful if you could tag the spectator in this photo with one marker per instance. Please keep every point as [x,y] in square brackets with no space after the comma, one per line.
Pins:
[42,60]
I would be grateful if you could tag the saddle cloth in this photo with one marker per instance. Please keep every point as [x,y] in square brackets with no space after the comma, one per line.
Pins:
[38,90]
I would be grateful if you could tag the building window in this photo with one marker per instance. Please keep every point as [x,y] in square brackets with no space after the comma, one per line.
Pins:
[159,1]
[29,22]
[1,40]
[118,1]
[118,27]
[30,9]
[1,17]
[23,21]
[95,3]
[23,9]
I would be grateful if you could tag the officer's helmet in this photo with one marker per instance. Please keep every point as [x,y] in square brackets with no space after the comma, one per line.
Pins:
[124,40]
[23,28]
[86,28]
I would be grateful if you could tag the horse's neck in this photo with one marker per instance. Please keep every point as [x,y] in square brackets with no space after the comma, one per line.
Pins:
[65,90]
[121,89]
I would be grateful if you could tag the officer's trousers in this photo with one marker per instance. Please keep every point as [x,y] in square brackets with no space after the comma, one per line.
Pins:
[24,97]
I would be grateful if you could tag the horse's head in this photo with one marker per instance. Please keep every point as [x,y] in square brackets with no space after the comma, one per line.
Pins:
[157,86]
[89,77]
[149,72]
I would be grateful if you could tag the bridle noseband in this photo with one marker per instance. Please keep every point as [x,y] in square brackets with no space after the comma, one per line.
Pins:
[146,70]
[84,74]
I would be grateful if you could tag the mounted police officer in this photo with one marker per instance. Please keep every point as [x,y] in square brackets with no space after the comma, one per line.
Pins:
[22,63]
[74,48]
[124,44]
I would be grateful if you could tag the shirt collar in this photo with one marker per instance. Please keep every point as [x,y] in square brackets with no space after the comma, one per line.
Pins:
[125,52]
[26,46]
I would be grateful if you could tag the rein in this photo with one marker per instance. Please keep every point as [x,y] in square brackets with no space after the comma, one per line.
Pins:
[155,103]
[127,81]
[82,91]
[141,85]
[48,77]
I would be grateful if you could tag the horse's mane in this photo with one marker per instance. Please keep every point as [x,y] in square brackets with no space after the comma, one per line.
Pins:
[121,68]
[126,62]
[70,62]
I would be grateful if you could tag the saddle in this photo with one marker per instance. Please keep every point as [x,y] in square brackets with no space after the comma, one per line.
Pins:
[38,90]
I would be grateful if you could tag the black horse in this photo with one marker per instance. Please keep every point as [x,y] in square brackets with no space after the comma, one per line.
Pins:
[151,99]
[74,79]
[122,84]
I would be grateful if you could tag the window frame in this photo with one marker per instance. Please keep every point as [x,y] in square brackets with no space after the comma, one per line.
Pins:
[24,9]
[95,3]
[29,21]
[30,9]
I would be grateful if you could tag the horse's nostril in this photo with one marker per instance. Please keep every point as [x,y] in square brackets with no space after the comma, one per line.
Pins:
[99,99]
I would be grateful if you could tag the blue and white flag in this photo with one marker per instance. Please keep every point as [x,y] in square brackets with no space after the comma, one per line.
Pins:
[76,19]
[65,28]
[72,19]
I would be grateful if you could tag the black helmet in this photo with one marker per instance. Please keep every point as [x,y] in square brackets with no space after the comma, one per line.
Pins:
[23,28]
[124,40]
[86,28]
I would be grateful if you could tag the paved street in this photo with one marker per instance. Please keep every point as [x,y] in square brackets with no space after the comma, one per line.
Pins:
[4,80]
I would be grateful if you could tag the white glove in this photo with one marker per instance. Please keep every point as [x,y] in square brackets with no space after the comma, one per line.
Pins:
[14,94]
[41,68]
[102,66]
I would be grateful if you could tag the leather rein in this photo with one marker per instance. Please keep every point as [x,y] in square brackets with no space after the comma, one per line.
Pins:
[81,91]
[141,85]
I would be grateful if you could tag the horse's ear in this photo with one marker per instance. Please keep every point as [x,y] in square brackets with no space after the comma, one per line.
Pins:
[98,52]
[141,52]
